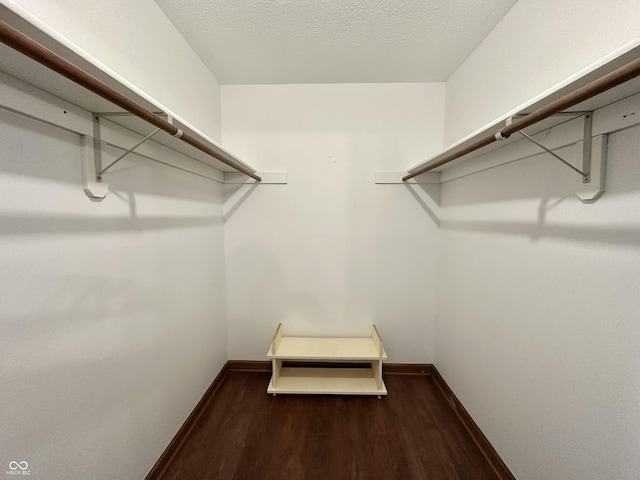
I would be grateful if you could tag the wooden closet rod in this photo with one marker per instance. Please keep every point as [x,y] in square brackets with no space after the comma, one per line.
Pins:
[29,47]
[602,84]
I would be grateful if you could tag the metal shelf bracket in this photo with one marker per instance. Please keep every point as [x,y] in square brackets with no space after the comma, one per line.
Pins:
[101,172]
[593,159]
[93,172]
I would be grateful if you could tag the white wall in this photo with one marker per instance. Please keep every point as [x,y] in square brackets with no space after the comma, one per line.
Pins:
[138,42]
[538,44]
[536,327]
[331,252]
[112,314]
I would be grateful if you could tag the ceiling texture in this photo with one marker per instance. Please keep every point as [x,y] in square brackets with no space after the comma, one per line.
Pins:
[333,41]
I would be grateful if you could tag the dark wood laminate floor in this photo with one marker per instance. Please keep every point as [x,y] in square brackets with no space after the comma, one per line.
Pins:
[248,435]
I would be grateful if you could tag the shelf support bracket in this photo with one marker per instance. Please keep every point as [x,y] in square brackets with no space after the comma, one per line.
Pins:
[585,175]
[93,172]
[101,172]
[96,116]
[593,159]
[91,159]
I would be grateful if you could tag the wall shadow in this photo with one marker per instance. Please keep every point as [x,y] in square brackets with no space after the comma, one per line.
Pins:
[537,231]
[234,195]
[14,224]
[422,192]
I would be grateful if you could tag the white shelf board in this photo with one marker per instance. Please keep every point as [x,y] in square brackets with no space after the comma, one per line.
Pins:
[615,60]
[311,348]
[336,381]
[23,68]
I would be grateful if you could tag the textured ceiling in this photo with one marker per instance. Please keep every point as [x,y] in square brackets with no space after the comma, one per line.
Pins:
[333,41]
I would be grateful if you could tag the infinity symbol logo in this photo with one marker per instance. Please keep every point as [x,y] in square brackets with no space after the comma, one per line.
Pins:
[18,465]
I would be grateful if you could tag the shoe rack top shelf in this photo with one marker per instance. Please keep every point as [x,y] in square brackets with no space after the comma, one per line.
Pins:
[328,349]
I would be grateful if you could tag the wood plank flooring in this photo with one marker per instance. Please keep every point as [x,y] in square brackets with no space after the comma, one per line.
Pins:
[246,434]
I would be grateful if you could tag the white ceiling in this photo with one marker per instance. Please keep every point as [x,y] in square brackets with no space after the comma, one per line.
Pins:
[333,41]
